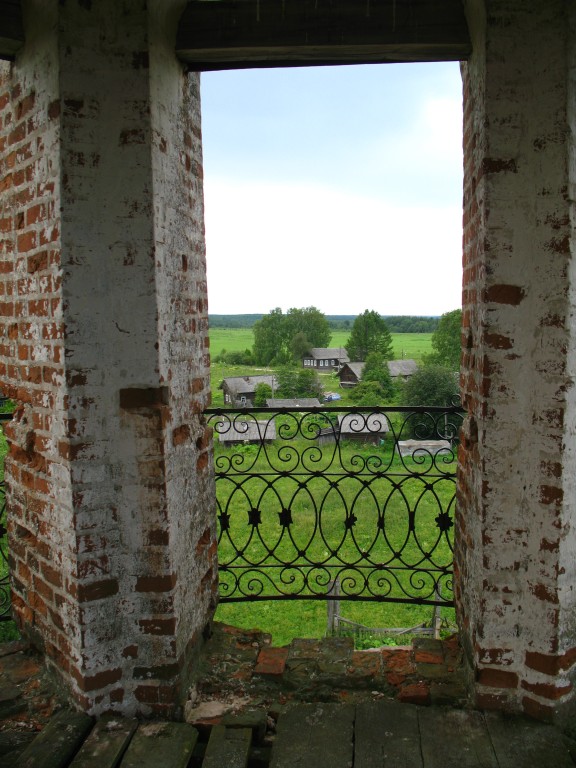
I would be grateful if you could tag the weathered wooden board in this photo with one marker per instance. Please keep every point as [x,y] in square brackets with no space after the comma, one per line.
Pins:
[226,33]
[387,735]
[228,747]
[314,736]
[523,743]
[451,738]
[106,743]
[56,745]
[169,745]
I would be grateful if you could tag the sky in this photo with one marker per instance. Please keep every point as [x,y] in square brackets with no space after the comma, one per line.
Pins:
[334,187]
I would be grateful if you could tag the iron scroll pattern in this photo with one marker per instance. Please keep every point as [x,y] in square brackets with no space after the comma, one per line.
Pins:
[5,603]
[361,497]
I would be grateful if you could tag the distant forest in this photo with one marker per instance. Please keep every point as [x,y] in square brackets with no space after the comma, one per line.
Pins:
[395,323]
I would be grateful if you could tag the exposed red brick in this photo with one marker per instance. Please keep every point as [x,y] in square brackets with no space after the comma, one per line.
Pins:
[497,678]
[88,683]
[503,294]
[414,693]
[97,590]
[550,664]
[537,710]
[163,583]
[181,435]
[547,690]
[271,662]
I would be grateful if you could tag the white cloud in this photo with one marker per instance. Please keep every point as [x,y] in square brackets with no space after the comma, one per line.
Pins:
[293,245]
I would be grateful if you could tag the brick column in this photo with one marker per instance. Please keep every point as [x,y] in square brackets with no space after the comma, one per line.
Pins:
[517,490]
[105,348]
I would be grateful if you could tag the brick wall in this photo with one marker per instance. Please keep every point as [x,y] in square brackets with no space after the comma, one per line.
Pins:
[516,485]
[105,348]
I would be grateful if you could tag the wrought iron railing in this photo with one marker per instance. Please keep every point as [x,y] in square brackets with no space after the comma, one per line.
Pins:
[359,497]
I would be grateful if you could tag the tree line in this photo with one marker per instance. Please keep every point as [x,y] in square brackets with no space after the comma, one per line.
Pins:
[395,323]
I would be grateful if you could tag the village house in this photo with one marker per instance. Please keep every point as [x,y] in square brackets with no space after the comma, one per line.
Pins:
[239,391]
[246,432]
[351,373]
[325,358]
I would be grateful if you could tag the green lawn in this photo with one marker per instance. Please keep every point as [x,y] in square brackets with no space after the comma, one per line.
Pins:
[406,345]
[319,506]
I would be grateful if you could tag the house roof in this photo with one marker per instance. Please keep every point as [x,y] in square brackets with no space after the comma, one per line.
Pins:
[302,402]
[244,384]
[402,367]
[363,424]
[248,431]
[356,369]
[396,368]
[323,353]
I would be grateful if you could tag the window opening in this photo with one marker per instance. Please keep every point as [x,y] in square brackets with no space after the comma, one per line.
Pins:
[337,188]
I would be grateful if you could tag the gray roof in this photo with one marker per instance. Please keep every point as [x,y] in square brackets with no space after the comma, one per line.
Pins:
[245,384]
[248,431]
[324,353]
[402,367]
[363,424]
[302,402]
[396,368]
[357,369]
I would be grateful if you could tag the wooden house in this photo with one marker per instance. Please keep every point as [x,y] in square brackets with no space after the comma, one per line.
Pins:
[239,391]
[351,373]
[248,432]
[325,358]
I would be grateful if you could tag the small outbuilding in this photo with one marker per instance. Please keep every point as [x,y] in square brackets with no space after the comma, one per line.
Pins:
[248,433]
[239,391]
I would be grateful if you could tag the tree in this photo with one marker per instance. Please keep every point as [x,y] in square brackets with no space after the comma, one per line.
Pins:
[294,382]
[369,334]
[446,341]
[376,371]
[271,338]
[431,385]
[300,346]
[262,392]
[367,393]
[312,324]
[280,338]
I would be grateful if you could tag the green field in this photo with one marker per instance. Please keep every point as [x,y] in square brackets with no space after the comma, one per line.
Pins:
[318,529]
[406,345]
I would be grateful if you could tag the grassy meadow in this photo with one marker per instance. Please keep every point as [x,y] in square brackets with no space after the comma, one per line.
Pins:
[409,540]
[409,345]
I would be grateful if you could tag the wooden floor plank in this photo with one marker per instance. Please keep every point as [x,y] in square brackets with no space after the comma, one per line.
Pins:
[228,747]
[387,735]
[169,745]
[522,743]
[452,738]
[57,744]
[314,736]
[106,743]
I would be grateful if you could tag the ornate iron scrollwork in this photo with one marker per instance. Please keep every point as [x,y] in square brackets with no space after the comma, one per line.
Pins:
[362,496]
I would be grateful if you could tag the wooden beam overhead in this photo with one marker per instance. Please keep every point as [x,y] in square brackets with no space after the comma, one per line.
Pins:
[11,28]
[230,34]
